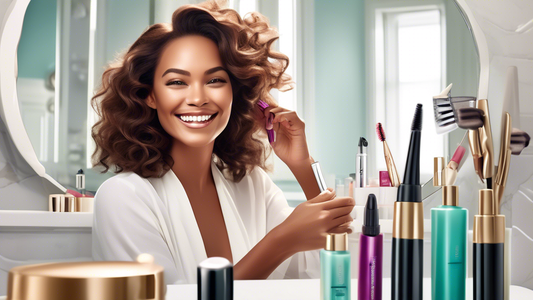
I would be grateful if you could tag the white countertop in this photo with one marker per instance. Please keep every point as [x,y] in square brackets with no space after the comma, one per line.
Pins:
[309,289]
[41,218]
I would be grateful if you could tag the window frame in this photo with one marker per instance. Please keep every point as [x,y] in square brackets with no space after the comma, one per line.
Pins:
[375,39]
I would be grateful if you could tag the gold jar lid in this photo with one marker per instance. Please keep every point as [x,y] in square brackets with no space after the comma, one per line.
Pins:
[116,280]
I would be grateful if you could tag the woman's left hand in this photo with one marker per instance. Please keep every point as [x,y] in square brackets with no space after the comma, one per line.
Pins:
[290,144]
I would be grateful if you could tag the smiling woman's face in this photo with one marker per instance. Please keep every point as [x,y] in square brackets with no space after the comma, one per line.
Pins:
[192,91]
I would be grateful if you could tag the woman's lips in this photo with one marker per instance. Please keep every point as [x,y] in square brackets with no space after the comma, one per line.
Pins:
[197,124]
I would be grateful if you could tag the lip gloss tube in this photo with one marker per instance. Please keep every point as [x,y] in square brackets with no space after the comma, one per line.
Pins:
[489,239]
[370,254]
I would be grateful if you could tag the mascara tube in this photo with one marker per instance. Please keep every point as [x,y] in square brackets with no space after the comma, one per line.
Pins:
[408,224]
[489,238]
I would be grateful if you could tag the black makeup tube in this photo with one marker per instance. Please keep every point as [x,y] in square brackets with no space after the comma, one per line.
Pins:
[489,239]
[408,224]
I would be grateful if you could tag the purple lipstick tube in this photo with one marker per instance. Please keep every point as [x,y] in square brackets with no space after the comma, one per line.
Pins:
[370,254]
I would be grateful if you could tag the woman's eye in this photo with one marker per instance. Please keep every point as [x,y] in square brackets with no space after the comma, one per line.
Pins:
[215,80]
[176,82]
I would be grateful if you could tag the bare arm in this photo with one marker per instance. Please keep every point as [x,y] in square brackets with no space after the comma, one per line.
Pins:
[304,174]
[304,229]
[264,258]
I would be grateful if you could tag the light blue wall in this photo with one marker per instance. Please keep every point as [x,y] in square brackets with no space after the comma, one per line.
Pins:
[39,29]
[339,83]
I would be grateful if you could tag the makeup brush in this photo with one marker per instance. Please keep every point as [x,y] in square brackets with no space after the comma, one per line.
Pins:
[519,141]
[443,111]
[391,167]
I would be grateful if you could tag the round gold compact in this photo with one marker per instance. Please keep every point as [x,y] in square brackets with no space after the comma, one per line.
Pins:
[117,280]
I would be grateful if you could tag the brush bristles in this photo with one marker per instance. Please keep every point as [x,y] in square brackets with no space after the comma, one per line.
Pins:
[380,132]
[519,140]
[417,119]
[470,118]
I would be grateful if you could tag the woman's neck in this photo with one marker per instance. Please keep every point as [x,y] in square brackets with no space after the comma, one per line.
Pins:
[192,166]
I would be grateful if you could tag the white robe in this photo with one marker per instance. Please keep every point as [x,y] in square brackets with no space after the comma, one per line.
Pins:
[134,215]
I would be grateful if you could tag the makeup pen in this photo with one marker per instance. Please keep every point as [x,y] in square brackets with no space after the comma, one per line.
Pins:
[408,223]
[360,167]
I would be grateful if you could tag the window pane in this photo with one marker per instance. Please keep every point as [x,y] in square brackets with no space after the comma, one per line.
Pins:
[419,77]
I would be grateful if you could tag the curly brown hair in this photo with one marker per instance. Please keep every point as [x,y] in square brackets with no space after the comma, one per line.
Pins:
[129,135]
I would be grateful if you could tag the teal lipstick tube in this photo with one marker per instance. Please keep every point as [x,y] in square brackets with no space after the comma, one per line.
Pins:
[335,268]
[449,225]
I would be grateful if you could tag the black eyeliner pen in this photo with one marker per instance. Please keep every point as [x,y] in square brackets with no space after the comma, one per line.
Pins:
[408,224]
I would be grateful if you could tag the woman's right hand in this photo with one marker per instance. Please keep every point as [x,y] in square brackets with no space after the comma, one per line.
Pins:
[307,226]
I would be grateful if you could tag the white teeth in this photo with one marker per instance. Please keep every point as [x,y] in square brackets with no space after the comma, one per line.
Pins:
[195,118]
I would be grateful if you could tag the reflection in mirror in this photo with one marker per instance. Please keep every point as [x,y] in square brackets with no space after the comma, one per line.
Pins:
[372,68]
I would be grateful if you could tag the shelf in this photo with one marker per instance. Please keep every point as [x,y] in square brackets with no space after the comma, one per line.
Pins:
[37,218]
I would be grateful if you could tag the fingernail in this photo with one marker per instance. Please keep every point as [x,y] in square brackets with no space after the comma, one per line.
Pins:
[269,124]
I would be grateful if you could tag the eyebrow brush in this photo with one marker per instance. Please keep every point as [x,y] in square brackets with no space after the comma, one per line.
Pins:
[391,167]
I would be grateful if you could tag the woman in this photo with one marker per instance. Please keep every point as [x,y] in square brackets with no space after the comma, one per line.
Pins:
[179,122]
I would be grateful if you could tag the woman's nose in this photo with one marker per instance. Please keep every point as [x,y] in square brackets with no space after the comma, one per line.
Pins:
[197,96]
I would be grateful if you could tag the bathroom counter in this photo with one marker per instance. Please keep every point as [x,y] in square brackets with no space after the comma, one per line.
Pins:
[309,289]
[41,218]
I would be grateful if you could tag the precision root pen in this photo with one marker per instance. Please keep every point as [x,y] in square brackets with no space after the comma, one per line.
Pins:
[408,224]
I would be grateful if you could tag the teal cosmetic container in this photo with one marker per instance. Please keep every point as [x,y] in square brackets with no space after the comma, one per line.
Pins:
[335,268]
[449,225]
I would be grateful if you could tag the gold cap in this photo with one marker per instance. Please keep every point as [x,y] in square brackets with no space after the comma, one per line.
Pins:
[486,202]
[450,195]
[438,168]
[337,242]
[88,281]
[489,227]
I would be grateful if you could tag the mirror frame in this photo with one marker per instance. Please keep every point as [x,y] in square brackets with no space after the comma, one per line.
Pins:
[9,105]
[10,36]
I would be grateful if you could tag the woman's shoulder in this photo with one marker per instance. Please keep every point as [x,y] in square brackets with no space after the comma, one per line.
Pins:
[126,186]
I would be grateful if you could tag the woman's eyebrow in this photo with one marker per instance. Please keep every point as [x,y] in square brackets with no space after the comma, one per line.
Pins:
[215,69]
[183,72]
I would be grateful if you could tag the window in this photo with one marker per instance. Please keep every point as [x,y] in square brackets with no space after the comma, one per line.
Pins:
[409,69]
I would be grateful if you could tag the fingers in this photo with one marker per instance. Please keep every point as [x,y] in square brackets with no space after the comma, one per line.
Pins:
[283,116]
[344,220]
[342,229]
[340,211]
[324,196]
[339,202]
